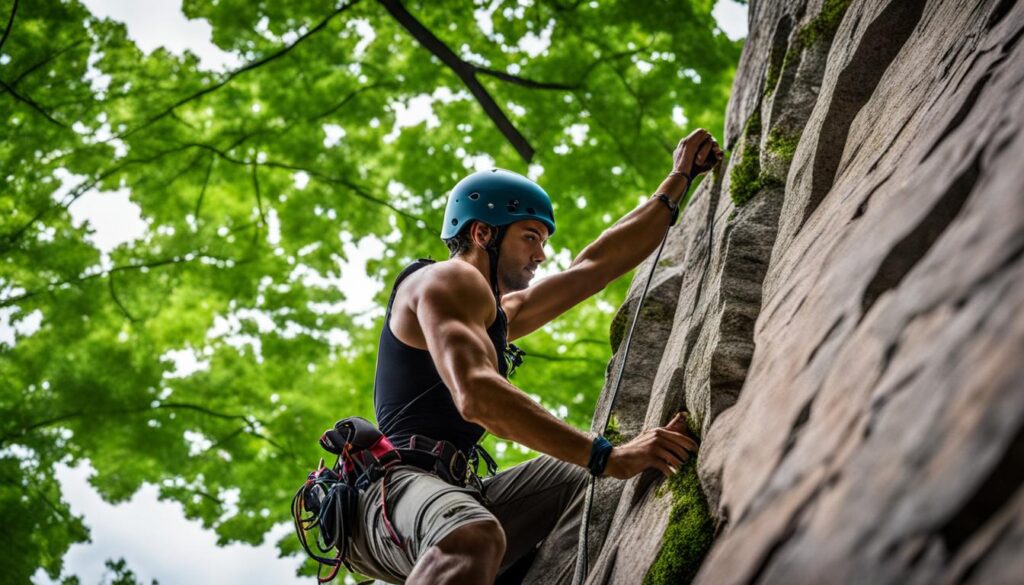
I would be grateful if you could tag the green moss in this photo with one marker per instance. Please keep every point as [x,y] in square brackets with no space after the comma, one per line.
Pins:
[691,424]
[747,177]
[612,433]
[820,28]
[744,183]
[771,78]
[825,24]
[617,330]
[781,145]
[689,534]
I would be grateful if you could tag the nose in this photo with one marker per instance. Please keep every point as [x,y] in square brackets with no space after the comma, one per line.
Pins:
[539,256]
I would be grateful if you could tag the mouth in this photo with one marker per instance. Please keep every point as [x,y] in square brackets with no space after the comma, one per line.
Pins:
[532,271]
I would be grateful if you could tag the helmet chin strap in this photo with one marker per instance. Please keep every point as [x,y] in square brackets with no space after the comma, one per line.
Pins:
[492,252]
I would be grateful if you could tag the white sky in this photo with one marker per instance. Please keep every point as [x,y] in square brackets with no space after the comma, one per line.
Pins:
[152,536]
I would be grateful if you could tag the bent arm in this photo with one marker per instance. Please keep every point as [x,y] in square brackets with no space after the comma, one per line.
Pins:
[616,251]
[453,314]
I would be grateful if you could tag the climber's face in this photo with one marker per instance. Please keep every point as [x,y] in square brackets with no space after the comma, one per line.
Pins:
[522,250]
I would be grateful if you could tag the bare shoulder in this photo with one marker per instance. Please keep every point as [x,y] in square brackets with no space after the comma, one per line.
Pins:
[455,285]
[447,289]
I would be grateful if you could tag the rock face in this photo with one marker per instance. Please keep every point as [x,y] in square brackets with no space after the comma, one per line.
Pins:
[849,339]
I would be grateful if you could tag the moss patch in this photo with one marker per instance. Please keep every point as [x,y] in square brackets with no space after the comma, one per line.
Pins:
[617,329]
[771,78]
[825,24]
[689,534]
[782,145]
[822,27]
[747,177]
[612,432]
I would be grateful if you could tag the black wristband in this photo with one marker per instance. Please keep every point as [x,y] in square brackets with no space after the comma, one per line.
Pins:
[599,453]
[673,207]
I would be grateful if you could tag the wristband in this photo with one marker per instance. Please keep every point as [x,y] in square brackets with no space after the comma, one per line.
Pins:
[673,207]
[678,173]
[599,453]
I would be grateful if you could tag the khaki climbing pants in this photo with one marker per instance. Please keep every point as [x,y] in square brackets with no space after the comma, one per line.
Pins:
[534,500]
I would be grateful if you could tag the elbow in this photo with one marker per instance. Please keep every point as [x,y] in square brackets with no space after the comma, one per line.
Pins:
[470,402]
[469,408]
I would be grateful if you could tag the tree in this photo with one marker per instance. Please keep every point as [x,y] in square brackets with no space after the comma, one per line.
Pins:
[250,197]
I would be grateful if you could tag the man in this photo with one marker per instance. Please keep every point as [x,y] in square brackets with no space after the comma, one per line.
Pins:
[441,377]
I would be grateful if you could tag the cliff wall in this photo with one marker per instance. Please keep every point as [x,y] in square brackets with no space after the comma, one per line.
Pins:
[841,309]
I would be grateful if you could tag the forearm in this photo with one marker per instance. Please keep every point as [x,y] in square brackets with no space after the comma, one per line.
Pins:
[625,244]
[507,412]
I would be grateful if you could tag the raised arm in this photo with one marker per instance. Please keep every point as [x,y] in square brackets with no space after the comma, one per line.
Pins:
[616,251]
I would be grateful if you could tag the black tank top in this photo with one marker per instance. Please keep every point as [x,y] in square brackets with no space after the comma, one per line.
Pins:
[409,396]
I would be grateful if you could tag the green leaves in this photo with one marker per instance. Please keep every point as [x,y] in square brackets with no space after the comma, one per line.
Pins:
[252,182]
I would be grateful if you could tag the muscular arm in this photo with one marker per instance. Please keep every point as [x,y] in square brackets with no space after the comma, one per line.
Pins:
[616,251]
[454,310]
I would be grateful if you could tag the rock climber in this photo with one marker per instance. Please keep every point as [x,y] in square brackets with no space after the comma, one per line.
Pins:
[441,382]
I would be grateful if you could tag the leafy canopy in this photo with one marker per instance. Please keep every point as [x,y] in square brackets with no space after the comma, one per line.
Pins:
[254,185]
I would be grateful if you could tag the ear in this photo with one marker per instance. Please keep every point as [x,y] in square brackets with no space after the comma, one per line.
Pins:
[481,234]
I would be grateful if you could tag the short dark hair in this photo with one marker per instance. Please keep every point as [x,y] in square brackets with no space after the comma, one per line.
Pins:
[463,241]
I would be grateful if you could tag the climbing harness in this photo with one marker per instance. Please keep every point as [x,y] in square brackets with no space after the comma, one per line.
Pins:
[582,549]
[329,499]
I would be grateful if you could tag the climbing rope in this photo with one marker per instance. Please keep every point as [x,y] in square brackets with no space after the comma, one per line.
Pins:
[582,549]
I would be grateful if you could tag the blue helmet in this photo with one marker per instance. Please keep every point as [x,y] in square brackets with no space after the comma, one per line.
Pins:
[496,197]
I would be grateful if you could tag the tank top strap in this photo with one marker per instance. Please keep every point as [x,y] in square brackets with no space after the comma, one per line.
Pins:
[405,273]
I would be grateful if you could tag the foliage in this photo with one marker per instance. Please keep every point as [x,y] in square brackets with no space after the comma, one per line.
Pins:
[689,534]
[252,206]
[122,575]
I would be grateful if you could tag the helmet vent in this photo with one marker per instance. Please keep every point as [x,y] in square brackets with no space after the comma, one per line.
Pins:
[530,211]
[512,206]
[455,221]
[474,196]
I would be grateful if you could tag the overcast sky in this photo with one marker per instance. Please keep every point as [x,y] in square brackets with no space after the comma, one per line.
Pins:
[153,536]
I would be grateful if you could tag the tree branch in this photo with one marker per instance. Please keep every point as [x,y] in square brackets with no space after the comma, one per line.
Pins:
[32,104]
[247,67]
[515,79]
[352,95]
[117,301]
[465,72]
[564,358]
[359,191]
[10,23]
[250,422]
[8,301]
[259,198]
[45,60]
[202,192]
[73,195]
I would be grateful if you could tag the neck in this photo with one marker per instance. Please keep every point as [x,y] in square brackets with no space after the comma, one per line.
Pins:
[480,260]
